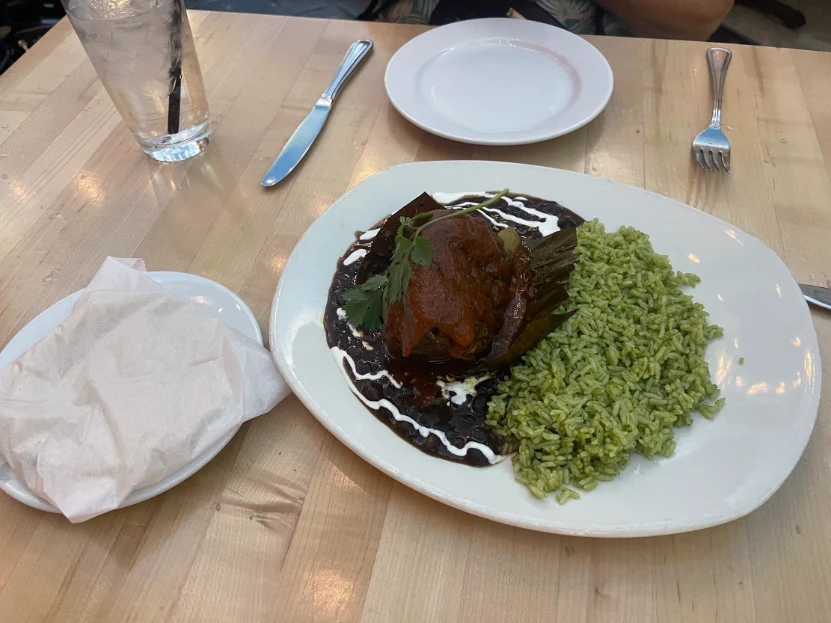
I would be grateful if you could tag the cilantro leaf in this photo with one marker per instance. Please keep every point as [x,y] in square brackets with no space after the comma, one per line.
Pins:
[410,221]
[364,304]
[406,222]
[423,251]
[403,246]
[399,280]
[375,283]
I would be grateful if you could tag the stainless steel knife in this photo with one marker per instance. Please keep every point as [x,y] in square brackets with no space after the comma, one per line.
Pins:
[821,297]
[307,132]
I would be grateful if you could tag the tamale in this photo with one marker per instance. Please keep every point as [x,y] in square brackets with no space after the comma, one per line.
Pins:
[538,289]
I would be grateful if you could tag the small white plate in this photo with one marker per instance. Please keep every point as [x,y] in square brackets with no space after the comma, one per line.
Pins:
[214,299]
[721,469]
[499,81]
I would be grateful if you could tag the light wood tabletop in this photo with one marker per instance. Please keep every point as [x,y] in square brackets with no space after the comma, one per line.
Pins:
[286,524]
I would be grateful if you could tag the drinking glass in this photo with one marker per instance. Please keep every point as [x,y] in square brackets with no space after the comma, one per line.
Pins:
[144,55]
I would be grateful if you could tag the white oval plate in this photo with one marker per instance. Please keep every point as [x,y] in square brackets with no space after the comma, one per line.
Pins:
[721,469]
[499,81]
[214,299]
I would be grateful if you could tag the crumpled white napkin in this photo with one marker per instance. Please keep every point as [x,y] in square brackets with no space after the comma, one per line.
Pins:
[135,384]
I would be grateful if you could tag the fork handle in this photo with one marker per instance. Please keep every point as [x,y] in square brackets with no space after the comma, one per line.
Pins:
[719,60]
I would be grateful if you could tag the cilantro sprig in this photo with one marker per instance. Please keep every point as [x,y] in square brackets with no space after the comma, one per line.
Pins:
[366,303]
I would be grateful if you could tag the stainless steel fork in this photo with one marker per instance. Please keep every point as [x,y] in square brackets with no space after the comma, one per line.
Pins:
[711,148]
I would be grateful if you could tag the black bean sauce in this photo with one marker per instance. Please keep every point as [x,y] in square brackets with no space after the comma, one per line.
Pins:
[460,424]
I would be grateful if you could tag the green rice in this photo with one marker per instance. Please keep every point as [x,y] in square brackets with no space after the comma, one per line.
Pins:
[615,378]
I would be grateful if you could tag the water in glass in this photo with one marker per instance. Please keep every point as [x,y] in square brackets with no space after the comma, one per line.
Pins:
[144,54]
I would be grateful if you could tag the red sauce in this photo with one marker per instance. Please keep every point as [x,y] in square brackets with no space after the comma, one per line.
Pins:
[458,302]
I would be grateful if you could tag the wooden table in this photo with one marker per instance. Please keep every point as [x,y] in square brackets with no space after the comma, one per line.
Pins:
[286,524]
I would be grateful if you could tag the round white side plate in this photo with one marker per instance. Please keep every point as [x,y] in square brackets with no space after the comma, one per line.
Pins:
[499,81]
[214,299]
[721,469]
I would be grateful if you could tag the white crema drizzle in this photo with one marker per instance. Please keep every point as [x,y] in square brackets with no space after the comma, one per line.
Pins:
[369,376]
[548,225]
[458,391]
[341,355]
[342,316]
[354,256]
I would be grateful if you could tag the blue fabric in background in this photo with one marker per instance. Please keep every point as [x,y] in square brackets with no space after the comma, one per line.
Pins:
[335,9]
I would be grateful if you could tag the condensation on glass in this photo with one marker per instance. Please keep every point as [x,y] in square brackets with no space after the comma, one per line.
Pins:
[144,54]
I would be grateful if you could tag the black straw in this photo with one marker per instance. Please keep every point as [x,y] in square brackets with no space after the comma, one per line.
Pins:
[174,100]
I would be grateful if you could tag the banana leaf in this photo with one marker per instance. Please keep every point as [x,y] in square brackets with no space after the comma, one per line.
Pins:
[531,316]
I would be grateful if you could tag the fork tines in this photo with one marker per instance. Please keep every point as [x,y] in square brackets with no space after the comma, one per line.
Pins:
[709,158]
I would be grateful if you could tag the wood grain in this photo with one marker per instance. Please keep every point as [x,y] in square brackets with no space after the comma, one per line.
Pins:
[286,524]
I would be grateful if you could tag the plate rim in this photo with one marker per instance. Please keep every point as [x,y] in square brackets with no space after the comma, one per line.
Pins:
[655,528]
[532,138]
[150,491]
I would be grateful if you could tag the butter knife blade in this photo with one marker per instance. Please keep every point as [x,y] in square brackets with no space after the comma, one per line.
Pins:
[307,132]
[821,297]
[298,144]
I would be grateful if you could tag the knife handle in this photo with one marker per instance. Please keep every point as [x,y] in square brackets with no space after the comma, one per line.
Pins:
[354,55]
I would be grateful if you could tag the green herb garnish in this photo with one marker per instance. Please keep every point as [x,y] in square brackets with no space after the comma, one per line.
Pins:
[366,303]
